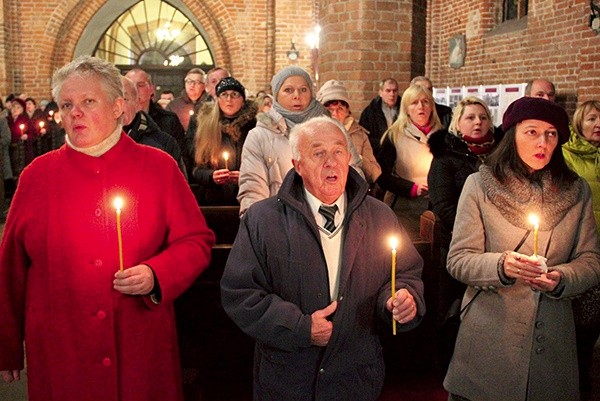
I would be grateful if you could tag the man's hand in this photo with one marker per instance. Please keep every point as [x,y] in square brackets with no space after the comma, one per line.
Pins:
[403,308]
[321,328]
[137,280]
[10,375]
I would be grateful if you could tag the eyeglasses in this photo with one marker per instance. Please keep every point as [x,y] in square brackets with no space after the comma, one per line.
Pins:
[192,82]
[232,94]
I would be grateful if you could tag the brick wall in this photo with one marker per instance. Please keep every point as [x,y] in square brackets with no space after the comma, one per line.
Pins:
[362,41]
[37,38]
[553,42]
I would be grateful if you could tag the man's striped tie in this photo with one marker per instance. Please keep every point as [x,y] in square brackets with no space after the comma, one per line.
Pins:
[329,213]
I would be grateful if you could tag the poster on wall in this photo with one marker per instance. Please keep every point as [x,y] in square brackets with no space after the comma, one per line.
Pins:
[508,94]
[497,97]
[455,95]
[473,91]
[440,95]
[491,96]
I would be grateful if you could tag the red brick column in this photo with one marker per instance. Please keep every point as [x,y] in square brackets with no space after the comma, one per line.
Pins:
[364,41]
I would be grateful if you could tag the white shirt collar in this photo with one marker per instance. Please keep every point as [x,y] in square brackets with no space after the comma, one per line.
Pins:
[315,203]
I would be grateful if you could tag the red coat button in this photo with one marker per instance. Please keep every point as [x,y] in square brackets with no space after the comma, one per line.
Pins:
[106,362]
[101,315]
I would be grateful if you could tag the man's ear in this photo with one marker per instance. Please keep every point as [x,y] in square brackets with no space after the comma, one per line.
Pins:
[296,163]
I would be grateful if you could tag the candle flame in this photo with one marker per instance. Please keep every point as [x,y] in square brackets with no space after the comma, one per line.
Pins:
[22,127]
[191,112]
[51,113]
[393,242]
[534,219]
[226,155]
[118,203]
[41,124]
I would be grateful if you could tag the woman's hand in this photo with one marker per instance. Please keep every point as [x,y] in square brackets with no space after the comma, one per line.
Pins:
[136,280]
[10,375]
[221,176]
[234,177]
[519,266]
[546,282]
[422,189]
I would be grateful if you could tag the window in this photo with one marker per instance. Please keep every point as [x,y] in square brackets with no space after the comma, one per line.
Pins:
[153,32]
[514,9]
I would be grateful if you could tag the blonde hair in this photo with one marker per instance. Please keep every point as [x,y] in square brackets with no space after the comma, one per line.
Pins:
[460,110]
[207,139]
[580,113]
[404,120]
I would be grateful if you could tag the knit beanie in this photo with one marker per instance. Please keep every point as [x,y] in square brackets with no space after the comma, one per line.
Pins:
[20,101]
[230,83]
[333,90]
[534,108]
[287,72]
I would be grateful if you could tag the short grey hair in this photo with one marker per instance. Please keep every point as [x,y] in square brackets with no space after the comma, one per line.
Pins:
[311,127]
[88,66]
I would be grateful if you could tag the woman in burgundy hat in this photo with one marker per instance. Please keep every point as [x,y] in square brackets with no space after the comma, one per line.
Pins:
[517,338]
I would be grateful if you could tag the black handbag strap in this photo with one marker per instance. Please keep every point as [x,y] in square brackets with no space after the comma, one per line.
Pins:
[479,292]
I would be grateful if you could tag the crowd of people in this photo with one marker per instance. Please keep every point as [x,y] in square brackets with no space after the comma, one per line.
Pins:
[319,193]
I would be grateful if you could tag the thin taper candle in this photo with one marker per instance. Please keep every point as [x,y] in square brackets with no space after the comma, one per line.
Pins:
[226,157]
[393,244]
[118,203]
[533,219]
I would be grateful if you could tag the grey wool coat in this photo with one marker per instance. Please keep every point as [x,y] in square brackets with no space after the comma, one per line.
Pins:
[276,277]
[515,343]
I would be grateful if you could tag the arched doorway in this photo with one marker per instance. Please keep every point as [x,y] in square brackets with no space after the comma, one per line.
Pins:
[163,38]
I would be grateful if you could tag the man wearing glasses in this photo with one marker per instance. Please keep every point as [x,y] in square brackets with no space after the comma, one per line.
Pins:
[184,105]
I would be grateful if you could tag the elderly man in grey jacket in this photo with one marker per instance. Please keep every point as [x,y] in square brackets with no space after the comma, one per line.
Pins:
[309,277]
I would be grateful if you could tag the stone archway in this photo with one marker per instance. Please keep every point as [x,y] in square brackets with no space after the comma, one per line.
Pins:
[84,22]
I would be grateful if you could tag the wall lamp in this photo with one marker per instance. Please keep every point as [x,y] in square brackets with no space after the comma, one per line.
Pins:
[293,53]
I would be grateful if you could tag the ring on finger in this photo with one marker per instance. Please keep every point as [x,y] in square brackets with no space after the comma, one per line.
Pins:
[518,271]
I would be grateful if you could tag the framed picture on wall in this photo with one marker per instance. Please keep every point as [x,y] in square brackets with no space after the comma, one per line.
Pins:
[457,49]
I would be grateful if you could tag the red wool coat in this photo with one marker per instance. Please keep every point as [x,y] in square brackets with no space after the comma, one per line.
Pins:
[59,254]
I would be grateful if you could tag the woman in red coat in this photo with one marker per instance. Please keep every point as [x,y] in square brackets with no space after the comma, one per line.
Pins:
[93,331]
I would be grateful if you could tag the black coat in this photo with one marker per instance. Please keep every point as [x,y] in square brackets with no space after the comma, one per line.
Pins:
[145,131]
[373,120]
[452,163]
[168,122]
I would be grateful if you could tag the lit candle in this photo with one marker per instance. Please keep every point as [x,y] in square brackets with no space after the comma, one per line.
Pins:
[533,219]
[191,113]
[51,113]
[226,157]
[41,124]
[393,244]
[22,128]
[118,203]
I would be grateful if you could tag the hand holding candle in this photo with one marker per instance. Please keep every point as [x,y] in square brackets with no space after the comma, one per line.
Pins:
[226,157]
[118,204]
[393,244]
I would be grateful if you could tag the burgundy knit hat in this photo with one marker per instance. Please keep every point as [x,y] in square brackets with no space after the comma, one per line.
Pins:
[20,101]
[535,108]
